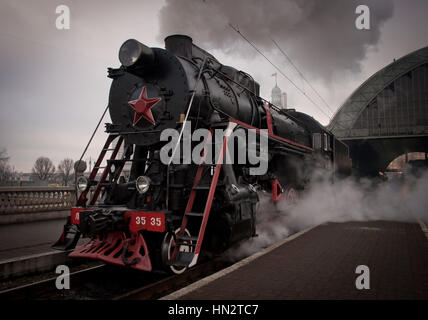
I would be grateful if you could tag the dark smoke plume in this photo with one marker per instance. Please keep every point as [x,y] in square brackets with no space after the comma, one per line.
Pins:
[319,35]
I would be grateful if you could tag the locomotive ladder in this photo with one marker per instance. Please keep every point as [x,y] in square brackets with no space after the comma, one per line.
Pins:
[189,259]
[82,199]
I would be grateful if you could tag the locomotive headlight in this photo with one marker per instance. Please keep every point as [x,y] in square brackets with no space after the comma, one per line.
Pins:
[82,183]
[132,52]
[142,184]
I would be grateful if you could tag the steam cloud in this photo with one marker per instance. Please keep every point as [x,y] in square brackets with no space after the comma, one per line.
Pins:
[398,199]
[311,31]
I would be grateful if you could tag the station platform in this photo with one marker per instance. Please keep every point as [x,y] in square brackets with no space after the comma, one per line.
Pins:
[29,238]
[321,263]
[25,248]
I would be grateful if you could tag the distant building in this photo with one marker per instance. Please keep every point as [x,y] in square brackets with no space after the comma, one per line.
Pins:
[278,97]
[284,100]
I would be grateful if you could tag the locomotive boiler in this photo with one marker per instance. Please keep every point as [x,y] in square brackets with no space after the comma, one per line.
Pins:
[144,212]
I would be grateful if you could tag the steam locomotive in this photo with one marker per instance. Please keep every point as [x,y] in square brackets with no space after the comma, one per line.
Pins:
[162,214]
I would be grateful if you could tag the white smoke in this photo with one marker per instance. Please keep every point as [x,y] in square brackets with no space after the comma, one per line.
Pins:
[401,198]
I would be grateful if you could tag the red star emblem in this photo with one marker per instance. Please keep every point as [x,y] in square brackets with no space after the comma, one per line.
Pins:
[142,107]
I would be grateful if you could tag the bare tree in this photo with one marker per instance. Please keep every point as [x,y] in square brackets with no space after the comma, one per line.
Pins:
[43,168]
[65,169]
[7,173]
[3,155]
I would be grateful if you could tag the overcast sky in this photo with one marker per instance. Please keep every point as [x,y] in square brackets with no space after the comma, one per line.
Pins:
[53,83]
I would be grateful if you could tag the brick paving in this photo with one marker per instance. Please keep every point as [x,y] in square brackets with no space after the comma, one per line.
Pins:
[321,264]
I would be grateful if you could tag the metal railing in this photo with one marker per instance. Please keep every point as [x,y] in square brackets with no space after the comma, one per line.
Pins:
[35,199]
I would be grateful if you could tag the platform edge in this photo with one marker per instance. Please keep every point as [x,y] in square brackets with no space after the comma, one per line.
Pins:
[198,284]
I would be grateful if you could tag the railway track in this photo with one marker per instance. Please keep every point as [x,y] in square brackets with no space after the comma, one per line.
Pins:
[172,283]
[110,282]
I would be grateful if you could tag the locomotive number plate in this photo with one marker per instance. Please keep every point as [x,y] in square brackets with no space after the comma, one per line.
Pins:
[151,221]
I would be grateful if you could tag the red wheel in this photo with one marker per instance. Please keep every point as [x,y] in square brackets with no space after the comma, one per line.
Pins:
[168,248]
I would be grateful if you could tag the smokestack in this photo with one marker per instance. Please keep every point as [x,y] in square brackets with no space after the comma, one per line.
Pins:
[179,45]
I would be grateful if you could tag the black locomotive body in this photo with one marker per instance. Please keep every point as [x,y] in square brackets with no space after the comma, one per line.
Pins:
[162,214]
